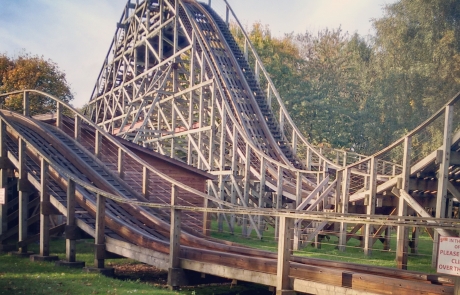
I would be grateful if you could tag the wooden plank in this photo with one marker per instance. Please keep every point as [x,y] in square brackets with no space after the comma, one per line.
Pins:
[70,243]
[99,240]
[443,177]
[370,210]
[419,209]
[44,218]
[229,272]
[401,235]
[23,195]
[282,272]
[175,231]
[313,194]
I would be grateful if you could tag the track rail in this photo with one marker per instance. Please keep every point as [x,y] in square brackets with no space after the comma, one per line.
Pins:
[144,233]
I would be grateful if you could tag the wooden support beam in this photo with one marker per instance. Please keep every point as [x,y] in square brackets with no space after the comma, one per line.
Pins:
[247,178]
[97,144]
[402,239]
[261,192]
[77,128]
[283,286]
[344,204]
[24,194]
[176,275]
[370,210]
[3,185]
[26,104]
[44,215]
[145,182]
[121,163]
[419,209]
[443,175]
[58,115]
[70,241]
[279,198]
[99,241]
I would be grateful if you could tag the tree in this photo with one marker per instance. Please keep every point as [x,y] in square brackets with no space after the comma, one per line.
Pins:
[32,72]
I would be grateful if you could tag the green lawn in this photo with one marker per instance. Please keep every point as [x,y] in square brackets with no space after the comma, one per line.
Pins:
[353,253]
[21,276]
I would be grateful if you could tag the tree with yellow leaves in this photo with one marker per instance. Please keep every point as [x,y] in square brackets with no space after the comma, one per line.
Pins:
[32,72]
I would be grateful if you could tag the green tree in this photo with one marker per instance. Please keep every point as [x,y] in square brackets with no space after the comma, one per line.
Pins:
[416,65]
[32,72]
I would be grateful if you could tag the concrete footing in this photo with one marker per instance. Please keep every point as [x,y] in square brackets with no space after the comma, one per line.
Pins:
[176,278]
[285,292]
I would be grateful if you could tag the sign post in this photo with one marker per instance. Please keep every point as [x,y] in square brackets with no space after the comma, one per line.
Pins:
[449,259]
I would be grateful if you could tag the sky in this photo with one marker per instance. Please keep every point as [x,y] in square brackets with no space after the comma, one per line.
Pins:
[76,34]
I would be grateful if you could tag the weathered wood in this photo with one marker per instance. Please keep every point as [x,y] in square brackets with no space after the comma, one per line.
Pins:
[26,104]
[344,204]
[77,128]
[121,164]
[443,177]
[282,272]
[145,182]
[58,115]
[176,275]
[44,217]
[23,195]
[3,184]
[370,210]
[402,238]
[99,239]
[71,202]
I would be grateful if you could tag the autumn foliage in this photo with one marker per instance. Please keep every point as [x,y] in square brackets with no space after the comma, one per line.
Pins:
[32,72]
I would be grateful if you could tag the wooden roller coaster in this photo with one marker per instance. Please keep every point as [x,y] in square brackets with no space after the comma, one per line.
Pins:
[176,82]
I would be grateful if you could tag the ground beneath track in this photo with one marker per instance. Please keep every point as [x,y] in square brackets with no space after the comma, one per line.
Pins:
[208,285]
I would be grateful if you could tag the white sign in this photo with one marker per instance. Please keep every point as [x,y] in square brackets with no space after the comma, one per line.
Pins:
[2,196]
[449,255]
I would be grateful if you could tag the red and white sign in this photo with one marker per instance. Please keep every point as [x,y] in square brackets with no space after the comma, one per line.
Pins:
[449,255]
[2,196]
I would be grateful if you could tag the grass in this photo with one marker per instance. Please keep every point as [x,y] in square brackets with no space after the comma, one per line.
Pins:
[353,253]
[21,276]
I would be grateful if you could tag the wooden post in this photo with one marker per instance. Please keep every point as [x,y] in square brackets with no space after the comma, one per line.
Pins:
[261,192]
[283,286]
[414,240]
[386,243]
[370,210]
[99,241]
[44,207]
[145,182]
[443,174]
[344,209]
[98,144]
[3,186]
[402,239]
[24,193]
[279,198]
[298,222]
[121,163]
[58,115]
[457,286]
[77,128]
[176,276]
[247,175]
[70,243]
[26,104]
